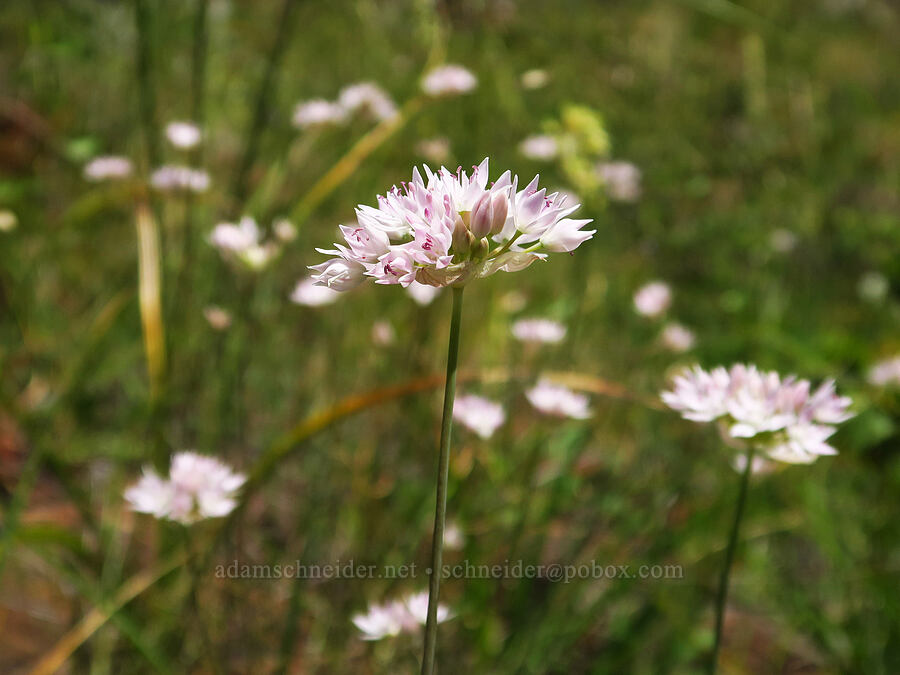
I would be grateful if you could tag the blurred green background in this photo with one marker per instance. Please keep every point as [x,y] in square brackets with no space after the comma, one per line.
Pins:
[768,137]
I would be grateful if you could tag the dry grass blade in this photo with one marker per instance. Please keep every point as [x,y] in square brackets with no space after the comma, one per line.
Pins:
[98,616]
[150,293]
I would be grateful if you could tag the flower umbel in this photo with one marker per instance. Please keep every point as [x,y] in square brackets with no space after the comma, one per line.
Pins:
[781,416]
[108,167]
[538,330]
[197,487]
[557,400]
[479,414]
[885,373]
[398,616]
[243,242]
[448,228]
[653,299]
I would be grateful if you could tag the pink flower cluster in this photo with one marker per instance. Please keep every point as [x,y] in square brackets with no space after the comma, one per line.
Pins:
[789,420]
[399,616]
[197,487]
[448,228]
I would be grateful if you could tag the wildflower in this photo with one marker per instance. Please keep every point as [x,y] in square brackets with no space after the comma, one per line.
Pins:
[653,299]
[783,241]
[788,421]
[183,135]
[319,113]
[417,606]
[311,294]
[380,621]
[8,220]
[481,415]
[538,330]
[197,487]
[108,167]
[185,178]
[383,333]
[873,287]
[886,372]
[454,539]
[243,242]
[435,150]
[236,238]
[554,399]
[422,294]
[535,78]
[622,180]
[677,338]
[390,619]
[700,396]
[449,80]
[368,97]
[441,231]
[284,230]
[217,317]
[541,147]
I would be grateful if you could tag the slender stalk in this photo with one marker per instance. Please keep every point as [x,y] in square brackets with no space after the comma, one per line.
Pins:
[440,509]
[198,64]
[146,86]
[182,302]
[240,187]
[729,558]
[195,571]
[503,249]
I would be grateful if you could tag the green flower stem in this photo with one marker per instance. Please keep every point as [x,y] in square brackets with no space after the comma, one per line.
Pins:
[729,558]
[503,249]
[440,509]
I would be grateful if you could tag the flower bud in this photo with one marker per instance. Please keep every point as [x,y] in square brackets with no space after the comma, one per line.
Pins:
[480,249]
[500,210]
[482,213]
[462,238]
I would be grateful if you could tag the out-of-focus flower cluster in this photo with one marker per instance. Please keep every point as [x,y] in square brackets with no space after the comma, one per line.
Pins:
[539,330]
[180,178]
[8,220]
[579,143]
[183,135]
[559,401]
[107,167]
[621,180]
[481,415]
[166,178]
[653,299]
[370,100]
[449,80]
[448,228]
[365,98]
[885,373]
[781,416]
[243,242]
[197,487]
[399,616]
[677,338]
